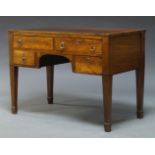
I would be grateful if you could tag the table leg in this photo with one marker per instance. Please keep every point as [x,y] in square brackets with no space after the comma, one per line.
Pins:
[50,83]
[14,88]
[140,91]
[107,95]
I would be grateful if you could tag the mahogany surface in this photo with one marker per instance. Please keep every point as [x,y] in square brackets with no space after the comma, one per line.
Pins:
[94,51]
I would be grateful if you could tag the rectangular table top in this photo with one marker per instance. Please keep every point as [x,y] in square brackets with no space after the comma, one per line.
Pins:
[87,31]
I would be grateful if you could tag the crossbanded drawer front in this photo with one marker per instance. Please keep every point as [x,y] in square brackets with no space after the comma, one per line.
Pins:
[40,43]
[90,65]
[79,46]
[24,58]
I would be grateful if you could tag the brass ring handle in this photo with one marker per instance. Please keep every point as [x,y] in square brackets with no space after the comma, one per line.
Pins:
[93,48]
[62,45]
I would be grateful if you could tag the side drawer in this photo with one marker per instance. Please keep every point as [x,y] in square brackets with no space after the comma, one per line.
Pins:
[89,65]
[79,46]
[24,58]
[26,42]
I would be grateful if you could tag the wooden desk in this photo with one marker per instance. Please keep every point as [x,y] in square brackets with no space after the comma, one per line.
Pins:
[102,52]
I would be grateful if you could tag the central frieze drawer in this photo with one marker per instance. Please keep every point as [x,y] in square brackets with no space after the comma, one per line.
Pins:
[78,46]
[26,42]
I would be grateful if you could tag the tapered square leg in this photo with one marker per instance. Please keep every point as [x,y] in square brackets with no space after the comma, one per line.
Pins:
[140,91]
[50,83]
[107,95]
[14,88]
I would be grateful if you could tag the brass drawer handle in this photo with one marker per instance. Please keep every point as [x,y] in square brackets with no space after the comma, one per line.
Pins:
[23,59]
[89,60]
[20,42]
[93,48]
[78,42]
[62,45]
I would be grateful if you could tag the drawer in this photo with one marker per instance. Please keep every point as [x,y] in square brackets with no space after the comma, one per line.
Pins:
[26,58]
[79,46]
[90,65]
[24,42]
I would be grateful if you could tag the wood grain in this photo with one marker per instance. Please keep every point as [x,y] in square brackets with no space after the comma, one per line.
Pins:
[25,58]
[140,76]
[50,83]
[28,42]
[107,93]
[79,46]
[89,65]
[14,88]
[124,52]
[94,51]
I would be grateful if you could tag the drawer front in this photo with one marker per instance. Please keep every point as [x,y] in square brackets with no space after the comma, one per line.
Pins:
[24,42]
[79,46]
[24,58]
[90,65]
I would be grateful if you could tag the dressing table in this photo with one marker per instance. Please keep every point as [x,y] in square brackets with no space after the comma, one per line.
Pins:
[102,52]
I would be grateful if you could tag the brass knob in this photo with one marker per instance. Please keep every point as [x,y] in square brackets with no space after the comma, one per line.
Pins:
[88,59]
[23,59]
[93,48]
[78,42]
[20,42]
[62,45]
